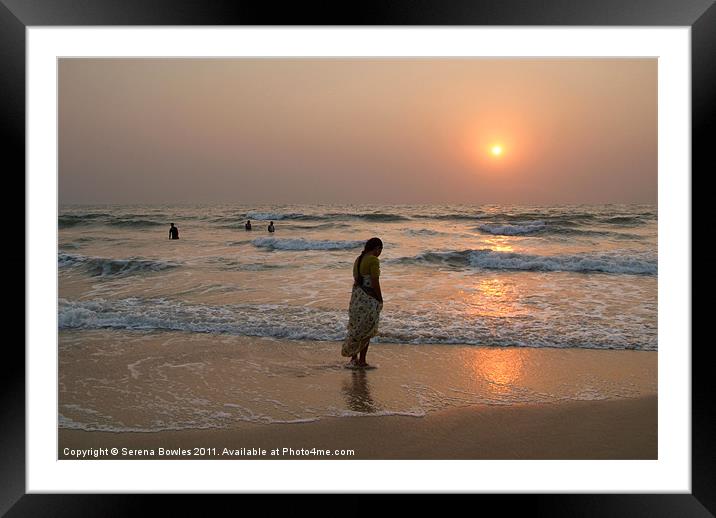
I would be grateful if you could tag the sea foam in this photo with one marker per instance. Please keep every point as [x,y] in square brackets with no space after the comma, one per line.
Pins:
[614,263]
[304,244]
[100,266]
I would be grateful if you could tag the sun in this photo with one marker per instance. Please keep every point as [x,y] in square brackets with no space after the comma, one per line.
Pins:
[492,150]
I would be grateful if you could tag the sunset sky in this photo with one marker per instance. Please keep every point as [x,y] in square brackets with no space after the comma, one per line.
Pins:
[295,130]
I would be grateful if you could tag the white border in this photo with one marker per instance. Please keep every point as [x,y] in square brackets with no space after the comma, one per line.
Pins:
[671,473]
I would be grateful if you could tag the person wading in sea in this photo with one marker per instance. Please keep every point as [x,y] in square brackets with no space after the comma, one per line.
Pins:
[365,305]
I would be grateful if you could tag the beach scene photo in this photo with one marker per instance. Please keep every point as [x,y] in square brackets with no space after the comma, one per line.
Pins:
[357,258]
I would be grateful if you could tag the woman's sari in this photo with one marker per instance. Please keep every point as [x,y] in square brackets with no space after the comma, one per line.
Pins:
[363,316]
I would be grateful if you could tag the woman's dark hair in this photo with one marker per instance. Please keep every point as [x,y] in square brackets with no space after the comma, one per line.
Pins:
[371,244]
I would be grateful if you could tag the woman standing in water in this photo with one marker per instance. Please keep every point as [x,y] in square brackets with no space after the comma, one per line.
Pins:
[366,304]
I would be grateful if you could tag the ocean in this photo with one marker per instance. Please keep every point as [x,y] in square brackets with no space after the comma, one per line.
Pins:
[576,277]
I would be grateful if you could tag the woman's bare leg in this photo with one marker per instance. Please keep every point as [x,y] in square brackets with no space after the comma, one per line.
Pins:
[361,361]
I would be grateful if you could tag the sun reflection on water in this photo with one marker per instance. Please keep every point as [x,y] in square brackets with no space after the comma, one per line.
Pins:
[500,244]
[503,369]
[492,297]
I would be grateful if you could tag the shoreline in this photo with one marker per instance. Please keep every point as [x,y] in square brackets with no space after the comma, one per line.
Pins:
[604,429]
[183,391]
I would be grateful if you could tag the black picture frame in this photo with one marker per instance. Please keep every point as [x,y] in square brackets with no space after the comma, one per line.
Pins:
[17,15]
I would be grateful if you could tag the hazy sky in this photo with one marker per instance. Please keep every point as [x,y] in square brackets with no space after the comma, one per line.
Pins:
[358,130]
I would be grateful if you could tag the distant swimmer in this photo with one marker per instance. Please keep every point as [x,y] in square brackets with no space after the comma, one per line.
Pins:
[248,224]
[271,227]
[173,232]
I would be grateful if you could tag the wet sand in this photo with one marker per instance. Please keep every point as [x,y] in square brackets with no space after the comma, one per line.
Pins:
[232,395]
[613,429]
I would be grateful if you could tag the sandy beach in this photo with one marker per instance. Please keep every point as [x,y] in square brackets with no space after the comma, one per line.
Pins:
[621,429]
[239,398]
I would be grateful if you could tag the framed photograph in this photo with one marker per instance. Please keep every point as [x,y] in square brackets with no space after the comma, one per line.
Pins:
[214,215]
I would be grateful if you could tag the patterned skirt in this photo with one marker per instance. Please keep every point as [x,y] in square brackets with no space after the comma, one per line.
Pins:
[363,317]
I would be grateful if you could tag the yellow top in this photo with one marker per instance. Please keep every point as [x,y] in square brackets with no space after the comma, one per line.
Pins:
[370,265]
